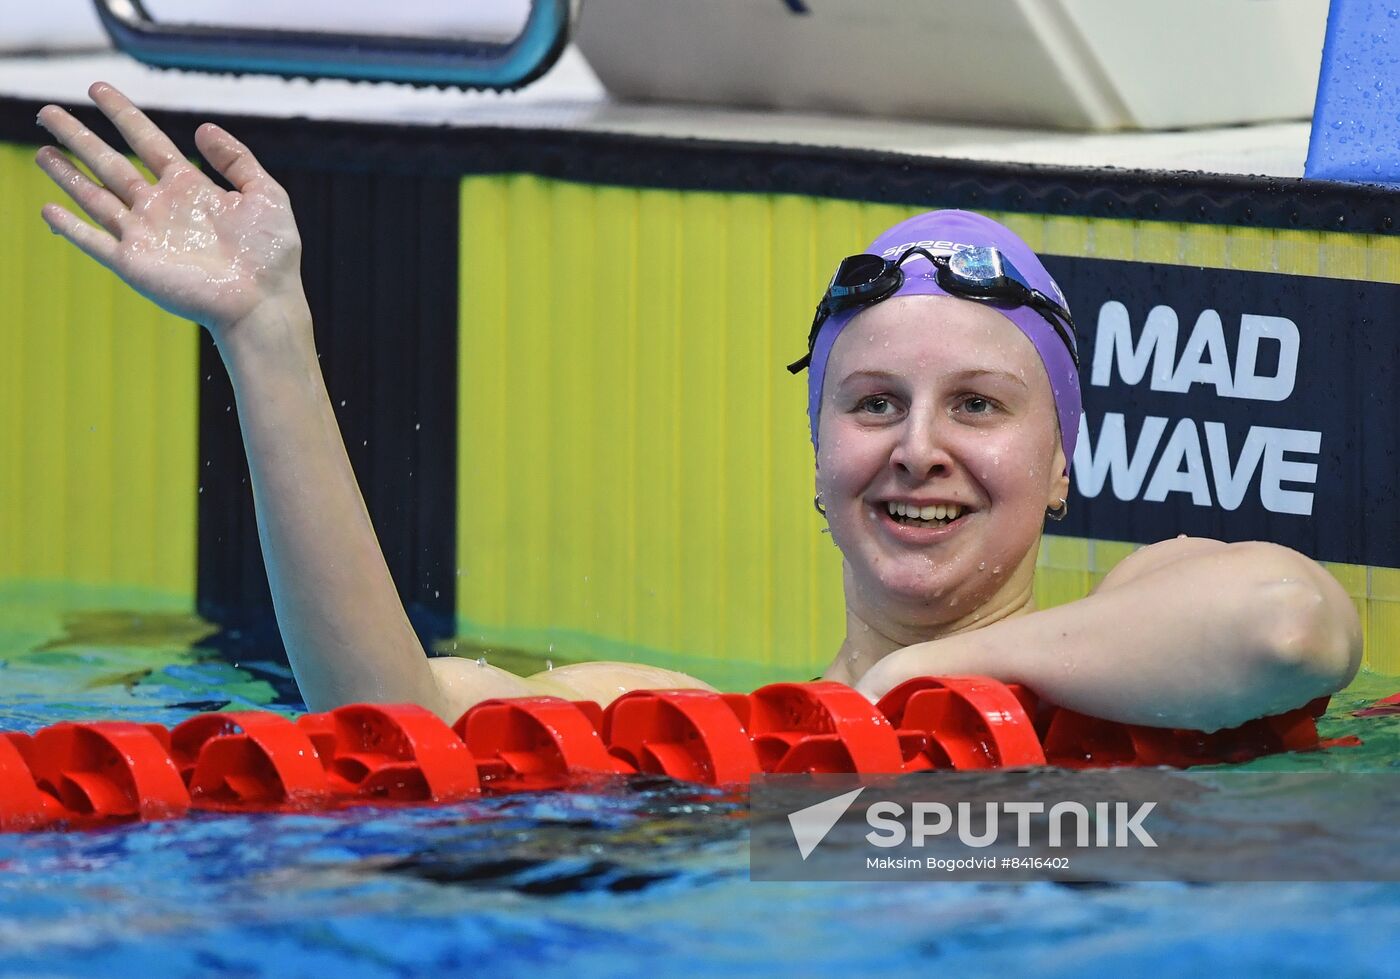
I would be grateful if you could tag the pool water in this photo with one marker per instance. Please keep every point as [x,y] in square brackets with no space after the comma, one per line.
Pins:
[641,874]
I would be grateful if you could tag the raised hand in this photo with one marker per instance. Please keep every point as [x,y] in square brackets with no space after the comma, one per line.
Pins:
[198,251]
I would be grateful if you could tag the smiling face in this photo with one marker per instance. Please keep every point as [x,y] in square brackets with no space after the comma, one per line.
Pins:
[931,402]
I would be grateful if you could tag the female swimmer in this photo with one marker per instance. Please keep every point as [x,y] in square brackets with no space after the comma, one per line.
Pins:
[926,401]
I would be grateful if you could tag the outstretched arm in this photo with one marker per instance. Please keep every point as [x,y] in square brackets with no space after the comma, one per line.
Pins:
[1186,633]
[230,260]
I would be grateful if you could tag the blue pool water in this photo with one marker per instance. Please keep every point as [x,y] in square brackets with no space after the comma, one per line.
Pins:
[643,875]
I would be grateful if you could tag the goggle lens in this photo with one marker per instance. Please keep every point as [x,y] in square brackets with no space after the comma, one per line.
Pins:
[979,268]
[859,270]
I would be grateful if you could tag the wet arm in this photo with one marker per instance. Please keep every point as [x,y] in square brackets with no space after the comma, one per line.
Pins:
[230,260]
[347,636]
[1203,638]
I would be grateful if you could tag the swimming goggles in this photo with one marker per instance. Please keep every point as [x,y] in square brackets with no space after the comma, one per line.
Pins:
[983,275]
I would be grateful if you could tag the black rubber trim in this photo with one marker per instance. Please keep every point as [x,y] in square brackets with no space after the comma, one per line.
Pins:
[380,269]
[713,165]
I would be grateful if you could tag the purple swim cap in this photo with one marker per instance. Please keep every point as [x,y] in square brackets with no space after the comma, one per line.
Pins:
[942,232]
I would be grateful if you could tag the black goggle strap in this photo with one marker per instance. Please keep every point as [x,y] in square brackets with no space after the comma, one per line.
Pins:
[1058,317]
[823,311]
[799,365]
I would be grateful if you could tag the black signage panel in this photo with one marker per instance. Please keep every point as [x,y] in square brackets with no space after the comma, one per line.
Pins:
[1236,405]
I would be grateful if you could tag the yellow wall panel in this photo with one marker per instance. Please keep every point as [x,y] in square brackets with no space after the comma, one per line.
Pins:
[626,358]
[1383,583]
[1056,586]
[98,412]
[1064,552]
[1104,555]
[1383,636]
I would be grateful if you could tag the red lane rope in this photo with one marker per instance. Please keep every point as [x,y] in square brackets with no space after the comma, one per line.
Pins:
[1381,708]
[78,775]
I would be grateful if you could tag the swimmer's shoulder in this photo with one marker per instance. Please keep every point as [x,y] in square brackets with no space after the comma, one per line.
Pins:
[465,682]
[604,681]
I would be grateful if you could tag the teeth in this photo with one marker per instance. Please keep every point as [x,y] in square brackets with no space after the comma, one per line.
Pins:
[929,513]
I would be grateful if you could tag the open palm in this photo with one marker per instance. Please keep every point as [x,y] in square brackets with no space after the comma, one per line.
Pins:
[197,250]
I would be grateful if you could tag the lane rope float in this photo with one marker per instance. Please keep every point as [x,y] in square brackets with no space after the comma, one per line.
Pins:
[81,775]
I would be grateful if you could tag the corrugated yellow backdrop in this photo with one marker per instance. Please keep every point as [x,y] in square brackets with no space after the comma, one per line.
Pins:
[98,412]
[635,476]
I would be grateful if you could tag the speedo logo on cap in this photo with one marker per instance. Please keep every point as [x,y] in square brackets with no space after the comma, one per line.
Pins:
[937,247]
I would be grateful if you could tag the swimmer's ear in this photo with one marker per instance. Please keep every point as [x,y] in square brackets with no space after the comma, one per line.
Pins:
[1059,486]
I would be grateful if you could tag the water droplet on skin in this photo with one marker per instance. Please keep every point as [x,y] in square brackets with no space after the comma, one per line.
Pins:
[481,661]
[982,566]
[548,664]
[997,569]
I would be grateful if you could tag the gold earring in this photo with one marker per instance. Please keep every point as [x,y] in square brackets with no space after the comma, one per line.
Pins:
[1059,512]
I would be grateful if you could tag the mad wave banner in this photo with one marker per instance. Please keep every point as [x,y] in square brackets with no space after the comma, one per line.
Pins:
[1236,405]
